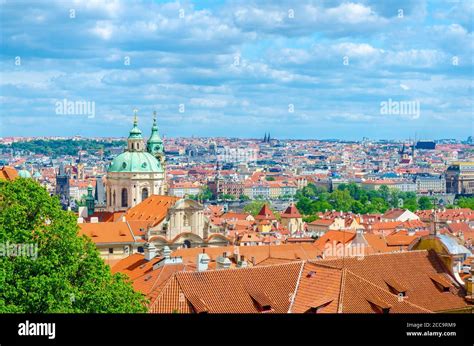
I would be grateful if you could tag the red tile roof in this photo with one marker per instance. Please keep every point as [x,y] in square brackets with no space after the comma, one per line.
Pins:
[107,232]
[230,291]
[393,214]
[291,212]
[366,285]
[265,214]
[153,209]
[412,269]
[8,173]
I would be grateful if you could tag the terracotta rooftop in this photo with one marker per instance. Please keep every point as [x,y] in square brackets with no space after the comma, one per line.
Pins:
[290,252]
[334,236]
[245,290]
[153,209]
[107,232]
[265,214]
[291,212]
[372,284]
[393,213]
[322,222]
[8,173]
[413,270]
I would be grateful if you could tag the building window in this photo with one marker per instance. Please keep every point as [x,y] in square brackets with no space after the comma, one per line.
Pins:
[114,198]
[144,193]
[111,250]
[124,197]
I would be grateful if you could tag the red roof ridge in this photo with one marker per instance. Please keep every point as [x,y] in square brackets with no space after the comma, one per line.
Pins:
[332,259]
[382,289]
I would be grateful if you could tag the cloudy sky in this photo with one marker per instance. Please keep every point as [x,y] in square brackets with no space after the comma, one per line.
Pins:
[314,69]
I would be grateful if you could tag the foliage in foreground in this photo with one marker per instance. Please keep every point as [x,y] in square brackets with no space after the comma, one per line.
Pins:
[68,274]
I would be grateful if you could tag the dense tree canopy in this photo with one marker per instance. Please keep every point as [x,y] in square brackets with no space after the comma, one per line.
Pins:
[204,195]
[67,274]
[466,202]
[255,206]
[350,197]
[62,147]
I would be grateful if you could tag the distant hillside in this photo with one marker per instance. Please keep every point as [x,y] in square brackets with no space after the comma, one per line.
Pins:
[61,147]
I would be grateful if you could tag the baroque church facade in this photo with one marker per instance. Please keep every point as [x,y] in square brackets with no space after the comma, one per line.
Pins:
[138,172]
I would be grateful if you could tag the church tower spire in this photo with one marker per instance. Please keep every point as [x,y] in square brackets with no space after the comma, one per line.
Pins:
[135,139]
[155,143]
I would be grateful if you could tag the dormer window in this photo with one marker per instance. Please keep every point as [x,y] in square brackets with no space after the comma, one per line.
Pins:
[378,305]
[396,287]
[441,282]
[198,305]
[316,306]
[261,301]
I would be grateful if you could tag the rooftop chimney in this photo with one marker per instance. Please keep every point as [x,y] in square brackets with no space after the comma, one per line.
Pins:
[242,264]
[223,262]
[150,251]
[166,252]
[203,262]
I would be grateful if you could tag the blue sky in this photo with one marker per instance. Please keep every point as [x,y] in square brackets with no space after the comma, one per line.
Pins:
[297,69]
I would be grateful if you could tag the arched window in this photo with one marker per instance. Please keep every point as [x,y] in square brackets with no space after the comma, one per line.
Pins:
[124,197]
[144,193]
[114,199]
[185,220]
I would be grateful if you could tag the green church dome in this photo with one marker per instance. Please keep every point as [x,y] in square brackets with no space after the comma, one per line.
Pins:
[135,161]
[135,132]
[24,174]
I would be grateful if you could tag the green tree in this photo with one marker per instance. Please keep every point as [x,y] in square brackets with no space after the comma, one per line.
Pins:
[244,198]
[269,178]
[410,204]
[466,202]
[67,273]
[254,207]
[424,203]
[310,218]
[226,196]
[305,205]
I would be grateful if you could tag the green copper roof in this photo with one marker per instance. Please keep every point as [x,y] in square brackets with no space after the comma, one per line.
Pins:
[135,132]
[24,174]
[154,144]
[136,161]
[155,135]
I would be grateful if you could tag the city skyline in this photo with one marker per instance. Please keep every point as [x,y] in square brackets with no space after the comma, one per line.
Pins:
[312,70]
